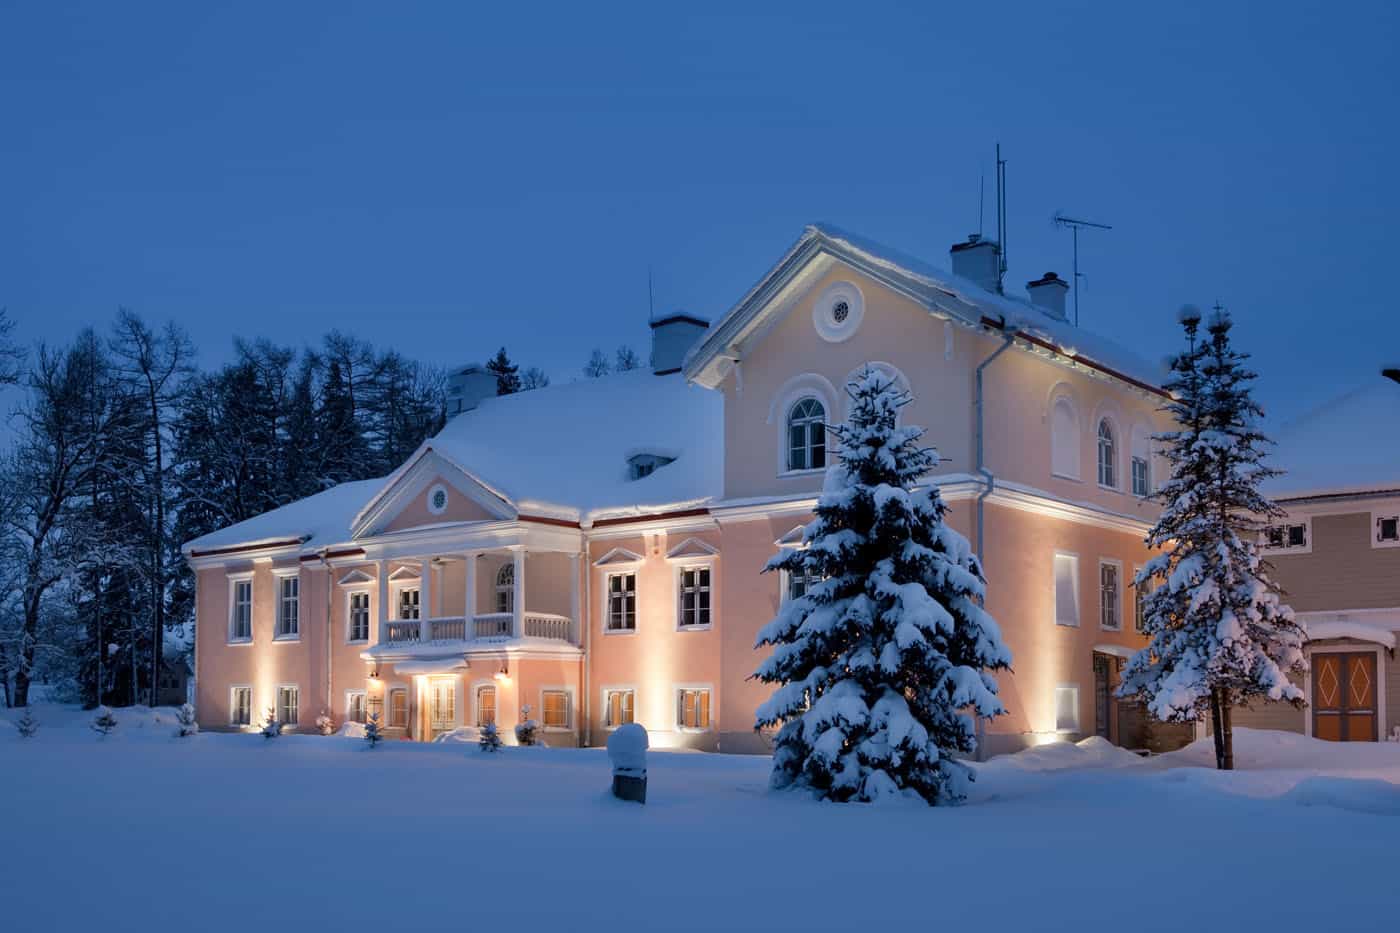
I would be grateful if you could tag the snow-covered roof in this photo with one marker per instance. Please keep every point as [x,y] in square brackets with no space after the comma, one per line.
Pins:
[1346,445]
[1349,628]
[318,521]
[938,290]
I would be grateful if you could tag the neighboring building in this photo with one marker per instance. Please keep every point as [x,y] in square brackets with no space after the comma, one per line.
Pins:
[593,550]
[1337,558]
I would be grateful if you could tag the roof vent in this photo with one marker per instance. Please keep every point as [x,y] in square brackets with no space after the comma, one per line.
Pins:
[978,260]
[672,335]
[639,465]
[1048,294]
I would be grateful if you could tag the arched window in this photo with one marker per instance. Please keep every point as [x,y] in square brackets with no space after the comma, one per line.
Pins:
[505,588]
[806,435]
[1064,439]
[1108,454]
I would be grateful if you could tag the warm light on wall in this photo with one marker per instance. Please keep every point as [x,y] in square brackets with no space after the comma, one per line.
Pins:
[503,675]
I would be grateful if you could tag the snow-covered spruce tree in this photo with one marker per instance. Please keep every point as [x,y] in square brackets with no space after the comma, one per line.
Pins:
[325,724]
[882,663]
[527,730]
[1218,633]
[372,733]
[27,724]
[490,740]
[271,728]
[104,722]
[187,727]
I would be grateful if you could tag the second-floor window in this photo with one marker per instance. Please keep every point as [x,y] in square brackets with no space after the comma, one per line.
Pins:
[799,582]
[1142,479]
[408,603]
[1285,537]
[806,435]
[505,588]
[240,627]
[288,607]
[694,597]
[359,617]
[1108,597]
[622,602]
[1108,452]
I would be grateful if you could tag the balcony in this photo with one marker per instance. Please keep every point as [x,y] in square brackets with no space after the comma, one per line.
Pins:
[489,627]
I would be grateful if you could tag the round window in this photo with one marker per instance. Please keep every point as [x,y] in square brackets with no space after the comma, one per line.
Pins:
[437,499]
[838,311]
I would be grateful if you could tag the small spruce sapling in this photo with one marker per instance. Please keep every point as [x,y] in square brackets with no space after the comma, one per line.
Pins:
[271,727]
[372,733]
[325,724]
[104,723]
[185,717]
[526,732]
[27,724]
[490,738]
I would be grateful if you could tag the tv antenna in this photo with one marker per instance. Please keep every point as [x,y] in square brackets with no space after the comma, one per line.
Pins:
[1001,219]
[1060,220]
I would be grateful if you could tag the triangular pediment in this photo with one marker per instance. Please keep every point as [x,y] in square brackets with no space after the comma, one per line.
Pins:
[793,538]
[691,548]
[618,556]
[356,578]
[405,573]
[429,490]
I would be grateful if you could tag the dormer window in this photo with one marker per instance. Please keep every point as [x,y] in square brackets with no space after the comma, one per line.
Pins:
[642,465]
[1289,537]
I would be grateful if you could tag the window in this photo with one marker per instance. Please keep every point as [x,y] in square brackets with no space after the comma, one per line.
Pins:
[622,602]
[408,603]
[505,588]
[555,704]
[240,623]
[1066,589]
[1286,537]
[398,708]
[1067,708]
[1140,592]
[1109,587]
[485,706]
[1108,453]
[1142,478]
[359,617]
[618,707]
[240,706]
[1387,529]
[694,597]
[437,499]
[1064,439]
[287,705]
[799,583]
[806,435]
[288,612]
[355,706]
[693,709]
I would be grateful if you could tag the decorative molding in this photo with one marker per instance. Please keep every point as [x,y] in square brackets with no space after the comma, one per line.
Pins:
[692,548]
[355,578]
[405,573]
[619,556]
[838,310]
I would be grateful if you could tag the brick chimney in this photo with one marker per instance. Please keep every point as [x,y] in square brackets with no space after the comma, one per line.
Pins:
[978,260]
[1048,294]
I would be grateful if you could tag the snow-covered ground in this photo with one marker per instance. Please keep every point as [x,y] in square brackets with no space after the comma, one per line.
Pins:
[233,832]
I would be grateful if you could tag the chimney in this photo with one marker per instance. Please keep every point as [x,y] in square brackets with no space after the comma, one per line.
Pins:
[1048,294]
[979,261]
[467,387]
[671,336]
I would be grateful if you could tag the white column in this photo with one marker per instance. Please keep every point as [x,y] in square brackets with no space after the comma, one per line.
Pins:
[575,620]
[381,567]
[469,596]
[518,620]
[425,600]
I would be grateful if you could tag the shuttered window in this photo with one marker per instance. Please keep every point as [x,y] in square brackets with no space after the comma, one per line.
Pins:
[1066,589]
[693,709]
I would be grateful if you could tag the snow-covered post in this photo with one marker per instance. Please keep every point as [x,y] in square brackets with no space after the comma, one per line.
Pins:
[627,750]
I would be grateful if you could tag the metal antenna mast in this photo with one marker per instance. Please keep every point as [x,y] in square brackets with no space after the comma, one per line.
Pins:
[1001,219]
[1062,221]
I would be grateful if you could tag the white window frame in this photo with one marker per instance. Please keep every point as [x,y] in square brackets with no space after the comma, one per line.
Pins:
[503,592]
[1376,518]
[811,425]
[389,708]
[1070,445]
[608,598]
[787,576]
[232,706]
[677,574]
[453,684]
[280,578]
[1145,490]
[350,594]
[364,705]
[477,689]
[606,695]
[396,591]
[1139,601]
[1117,566]
[277,705]
[234,581]
[1054,590]
[679,713]
[568,693]
[1113,449]
[1073,691]
[1304,548]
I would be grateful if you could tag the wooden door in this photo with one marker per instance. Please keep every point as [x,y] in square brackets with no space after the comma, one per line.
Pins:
[1344,697]
[1102,714]
[442,703]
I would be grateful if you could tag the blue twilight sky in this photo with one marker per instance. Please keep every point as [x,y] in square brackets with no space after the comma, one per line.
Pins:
[447,178]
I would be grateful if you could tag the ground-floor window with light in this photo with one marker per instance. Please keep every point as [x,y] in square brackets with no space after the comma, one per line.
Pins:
[241,706]
[693,709]
[556,709]
[355,706]
[618,707]
[398,708]
[287,698]
[485,706]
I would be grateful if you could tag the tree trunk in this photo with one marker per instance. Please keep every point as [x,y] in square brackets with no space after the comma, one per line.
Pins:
[28,639]
[1227,733]
[1217,729]
[157,552]
[5,674]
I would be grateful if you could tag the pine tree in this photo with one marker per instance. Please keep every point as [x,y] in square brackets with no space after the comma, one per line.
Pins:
[104,722]
[597,365]
[878,662]
[372,733]
[1218,633]
[271,727]
[27,724]
[507,373]
[187,725]
[626,360]
[490,740]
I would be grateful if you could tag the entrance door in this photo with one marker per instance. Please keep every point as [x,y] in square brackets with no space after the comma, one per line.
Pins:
[1102,724]
[442,704]
[1344,697]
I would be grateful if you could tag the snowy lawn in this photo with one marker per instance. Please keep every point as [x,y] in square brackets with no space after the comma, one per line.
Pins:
[234,832]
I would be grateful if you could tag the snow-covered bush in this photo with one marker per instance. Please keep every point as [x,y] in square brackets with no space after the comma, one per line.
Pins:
[1218,633]
[27,724]
[185,717]
[527,731]
[271,728]
[104,722]
[627,748]
[880,664]
[490,738]
[325,724]
[372,733]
